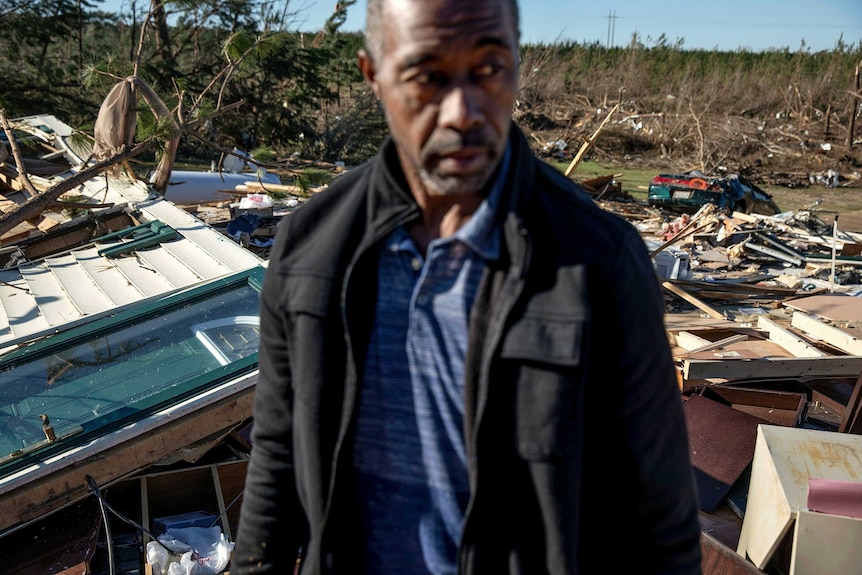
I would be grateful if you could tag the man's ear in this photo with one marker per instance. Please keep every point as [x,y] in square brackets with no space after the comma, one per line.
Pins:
[369,70]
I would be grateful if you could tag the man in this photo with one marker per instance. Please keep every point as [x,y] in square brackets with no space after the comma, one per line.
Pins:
[463,365]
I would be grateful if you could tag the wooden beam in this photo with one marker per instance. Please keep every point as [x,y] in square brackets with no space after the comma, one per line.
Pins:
[773,367]
[711,312]
[789,341]
[689,341]
[720,343]
[588,142]
[837,337]
[852,420]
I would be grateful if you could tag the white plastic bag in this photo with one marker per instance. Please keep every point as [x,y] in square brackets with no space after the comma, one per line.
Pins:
[193,551]
[255,201]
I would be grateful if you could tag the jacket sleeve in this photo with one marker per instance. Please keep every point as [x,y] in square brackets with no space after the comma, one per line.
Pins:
[270,530]
[648,419]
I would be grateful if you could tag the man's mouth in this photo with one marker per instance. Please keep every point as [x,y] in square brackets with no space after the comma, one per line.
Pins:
[462,161]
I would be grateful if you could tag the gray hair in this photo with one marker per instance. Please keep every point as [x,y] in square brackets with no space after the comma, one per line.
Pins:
[374,26]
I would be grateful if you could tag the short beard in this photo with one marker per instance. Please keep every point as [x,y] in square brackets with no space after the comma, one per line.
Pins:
[438,184]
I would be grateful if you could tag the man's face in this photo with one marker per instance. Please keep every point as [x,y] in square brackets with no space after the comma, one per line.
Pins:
[447,77]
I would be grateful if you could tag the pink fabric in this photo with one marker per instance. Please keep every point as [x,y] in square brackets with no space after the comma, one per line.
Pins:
[835,497]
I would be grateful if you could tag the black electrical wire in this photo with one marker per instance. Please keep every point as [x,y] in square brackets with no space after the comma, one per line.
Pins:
[223,513]
[105,506]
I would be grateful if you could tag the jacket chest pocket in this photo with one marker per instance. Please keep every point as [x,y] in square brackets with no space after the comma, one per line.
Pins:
[544,357]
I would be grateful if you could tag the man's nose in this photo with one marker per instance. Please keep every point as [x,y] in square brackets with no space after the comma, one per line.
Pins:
[461,107]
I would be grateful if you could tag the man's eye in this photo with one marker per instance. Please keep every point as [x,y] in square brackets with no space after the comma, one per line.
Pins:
[487,70]
[427,78]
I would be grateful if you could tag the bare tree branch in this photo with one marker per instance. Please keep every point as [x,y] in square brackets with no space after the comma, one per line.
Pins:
[16,153]
[36,205]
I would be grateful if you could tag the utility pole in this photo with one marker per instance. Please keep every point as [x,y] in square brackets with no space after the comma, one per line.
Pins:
[612,24]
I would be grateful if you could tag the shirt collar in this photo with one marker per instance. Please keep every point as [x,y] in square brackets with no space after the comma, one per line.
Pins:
[480,233]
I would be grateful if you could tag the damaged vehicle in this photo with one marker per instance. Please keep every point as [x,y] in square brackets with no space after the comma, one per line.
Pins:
[690,191]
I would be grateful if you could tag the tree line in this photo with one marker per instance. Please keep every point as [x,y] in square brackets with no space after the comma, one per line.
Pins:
[298,92]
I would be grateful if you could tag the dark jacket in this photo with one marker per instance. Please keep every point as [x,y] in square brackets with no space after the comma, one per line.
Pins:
[576,439]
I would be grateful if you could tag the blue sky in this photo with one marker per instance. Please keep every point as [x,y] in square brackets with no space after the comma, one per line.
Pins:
[723,24]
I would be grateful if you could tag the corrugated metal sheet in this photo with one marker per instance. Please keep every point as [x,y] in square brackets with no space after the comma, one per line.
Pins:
[43,295]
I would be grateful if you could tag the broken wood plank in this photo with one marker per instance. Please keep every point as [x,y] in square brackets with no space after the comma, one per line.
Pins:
[834,336]
[720,343]
[685,232]
[852,420]
[712,312]
[773,367]
[788,340]
[588,142]
[690,342]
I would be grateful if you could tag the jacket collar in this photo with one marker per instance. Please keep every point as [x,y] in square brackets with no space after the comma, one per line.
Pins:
[392,204]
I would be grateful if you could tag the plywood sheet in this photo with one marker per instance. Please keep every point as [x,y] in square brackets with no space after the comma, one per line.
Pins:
[835,307]
[721,441]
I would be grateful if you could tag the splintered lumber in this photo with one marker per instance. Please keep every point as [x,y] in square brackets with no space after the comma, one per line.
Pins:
[687,231]
[834,336]
[712,312]
[720,343]
[689,341]
[851,422]
[789,341]
[588,142]
[772,367]
[36,205]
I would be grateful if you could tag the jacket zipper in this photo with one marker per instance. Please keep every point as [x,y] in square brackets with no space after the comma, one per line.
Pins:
[509,294]
[351,375]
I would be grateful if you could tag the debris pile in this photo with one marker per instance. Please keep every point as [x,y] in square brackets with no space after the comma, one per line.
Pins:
[764,316]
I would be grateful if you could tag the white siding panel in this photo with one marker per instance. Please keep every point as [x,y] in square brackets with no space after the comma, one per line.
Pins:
[78,285]
[172,269]
[196,259]
[216,244]
[144,277]
[20,311]
[51,298]
[113,282]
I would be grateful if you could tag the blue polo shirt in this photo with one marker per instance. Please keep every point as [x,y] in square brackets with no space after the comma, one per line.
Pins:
[409,450]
